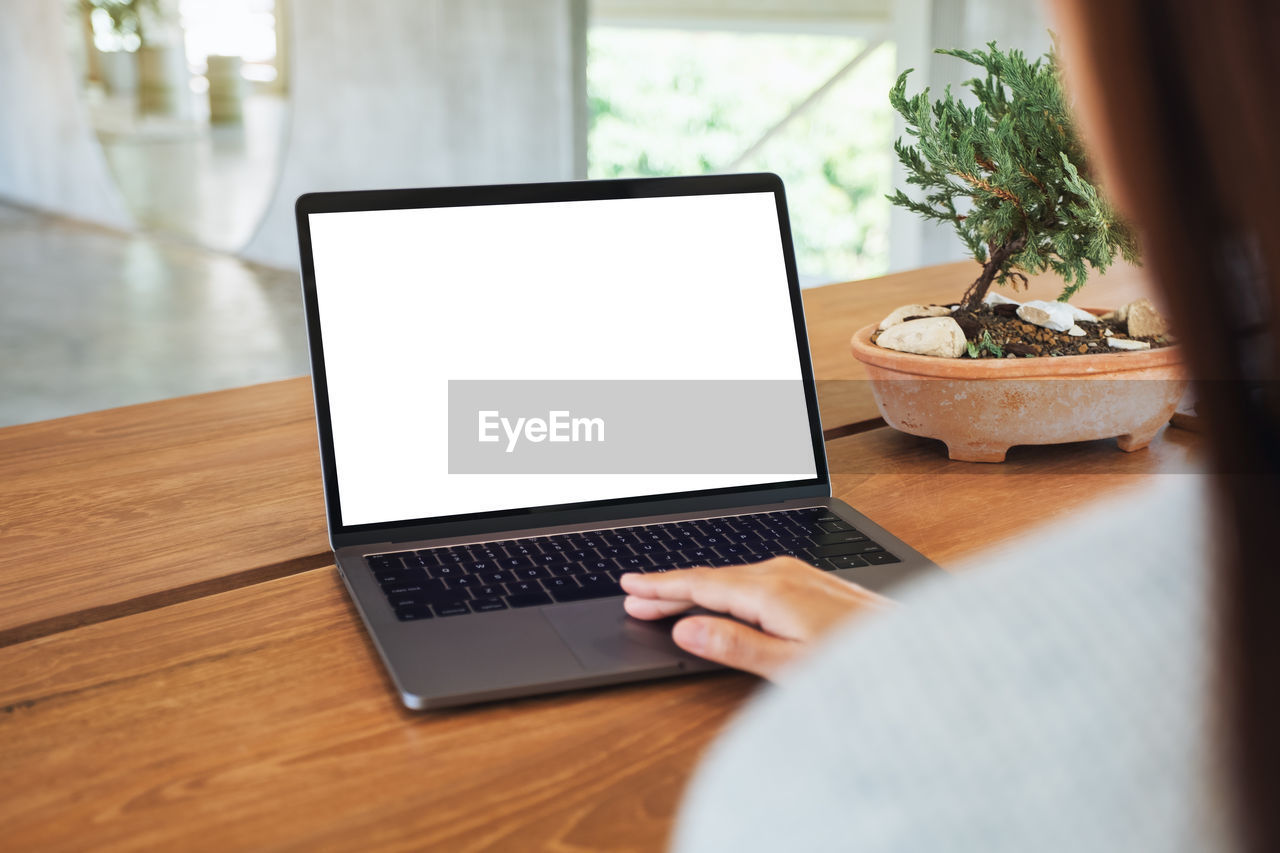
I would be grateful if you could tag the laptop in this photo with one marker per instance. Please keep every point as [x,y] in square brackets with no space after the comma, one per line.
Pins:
[524,391]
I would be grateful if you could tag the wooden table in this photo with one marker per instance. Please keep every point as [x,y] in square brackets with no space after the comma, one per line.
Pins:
[182,669]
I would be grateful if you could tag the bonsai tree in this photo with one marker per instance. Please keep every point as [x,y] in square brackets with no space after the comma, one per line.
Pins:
[1009,174]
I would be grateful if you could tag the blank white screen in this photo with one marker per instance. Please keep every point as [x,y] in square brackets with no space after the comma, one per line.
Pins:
[686,287]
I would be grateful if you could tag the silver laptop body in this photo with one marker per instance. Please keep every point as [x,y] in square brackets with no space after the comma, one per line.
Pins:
[512,373]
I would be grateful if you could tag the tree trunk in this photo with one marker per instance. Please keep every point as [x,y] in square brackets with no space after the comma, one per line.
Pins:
[996,258]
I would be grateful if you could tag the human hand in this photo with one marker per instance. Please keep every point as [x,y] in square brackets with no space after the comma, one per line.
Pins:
[793,604]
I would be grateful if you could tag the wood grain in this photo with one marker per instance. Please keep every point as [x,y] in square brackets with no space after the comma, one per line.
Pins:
[260,718]
[948,510]
[128,509]
[122,511]
[834,312]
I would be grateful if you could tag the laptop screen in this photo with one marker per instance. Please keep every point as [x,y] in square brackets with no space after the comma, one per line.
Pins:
[485,358]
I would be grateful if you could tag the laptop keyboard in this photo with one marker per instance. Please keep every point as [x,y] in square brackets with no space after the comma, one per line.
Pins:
[489,576]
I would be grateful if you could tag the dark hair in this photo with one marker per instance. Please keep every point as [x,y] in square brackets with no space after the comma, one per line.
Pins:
[1190,97]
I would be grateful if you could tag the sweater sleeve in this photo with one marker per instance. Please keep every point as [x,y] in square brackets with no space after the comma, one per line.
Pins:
[1051,698]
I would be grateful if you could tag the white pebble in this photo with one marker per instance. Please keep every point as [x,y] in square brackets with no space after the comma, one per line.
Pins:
[1081,315]
[937,336]
[1055,316]
[994,298]
[1124,343]
[901,313]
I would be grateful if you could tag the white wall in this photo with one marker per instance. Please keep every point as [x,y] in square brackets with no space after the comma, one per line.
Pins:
[426,92]
[49,157]
[920,26]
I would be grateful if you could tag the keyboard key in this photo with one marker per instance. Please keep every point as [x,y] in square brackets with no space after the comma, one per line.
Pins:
[385,561]
[515,562]
[495,577]
[673,561]
[843,536]
[423,596]
[553,584]
[486,605]
[413,613]
[631,563]
[582,593]
[462,582]
[446,571]
[761,550]
[564,570]
[880,558]
[403,591]
[528,599]
[600,581]
[834,526]
[839,550]
[393,577]
[524,587]
[496,590]
[531,573]
[848,561]
[457,607]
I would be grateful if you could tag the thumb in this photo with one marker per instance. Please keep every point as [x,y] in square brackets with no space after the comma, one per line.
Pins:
[733,644]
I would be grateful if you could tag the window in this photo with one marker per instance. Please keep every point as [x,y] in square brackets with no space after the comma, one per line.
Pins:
[813,108]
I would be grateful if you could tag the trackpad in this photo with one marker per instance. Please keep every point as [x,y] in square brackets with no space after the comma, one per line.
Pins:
[605,638]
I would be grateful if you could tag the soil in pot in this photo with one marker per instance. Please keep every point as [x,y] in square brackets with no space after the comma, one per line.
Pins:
[1011,336]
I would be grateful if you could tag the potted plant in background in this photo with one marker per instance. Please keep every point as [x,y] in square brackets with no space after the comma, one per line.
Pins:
[119,64]
[151,39]
[986,373]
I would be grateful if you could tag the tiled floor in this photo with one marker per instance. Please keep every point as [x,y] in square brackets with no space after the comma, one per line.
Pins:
[92,318]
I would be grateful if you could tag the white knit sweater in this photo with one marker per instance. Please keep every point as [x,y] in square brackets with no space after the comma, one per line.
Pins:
[1054,697]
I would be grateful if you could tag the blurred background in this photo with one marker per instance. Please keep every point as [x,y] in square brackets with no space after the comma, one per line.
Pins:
[151,150]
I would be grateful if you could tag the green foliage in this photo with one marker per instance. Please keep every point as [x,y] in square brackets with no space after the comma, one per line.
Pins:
[664,102]
[126,15]
[1009,174]
[985,345]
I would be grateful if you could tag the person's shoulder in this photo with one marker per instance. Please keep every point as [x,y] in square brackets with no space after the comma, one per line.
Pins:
[999,709]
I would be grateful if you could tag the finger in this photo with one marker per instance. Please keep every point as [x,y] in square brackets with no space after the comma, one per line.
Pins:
[733,644]
[649,608]
[738,593]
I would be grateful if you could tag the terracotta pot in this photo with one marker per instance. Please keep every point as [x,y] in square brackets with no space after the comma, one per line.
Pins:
[982,407]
